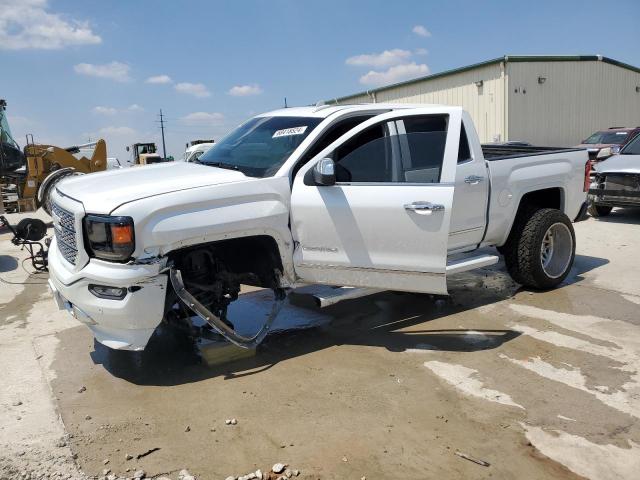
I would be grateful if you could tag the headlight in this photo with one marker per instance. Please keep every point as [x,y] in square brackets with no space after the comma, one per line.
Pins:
[109,238]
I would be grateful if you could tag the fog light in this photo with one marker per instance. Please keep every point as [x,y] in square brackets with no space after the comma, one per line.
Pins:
[112,293]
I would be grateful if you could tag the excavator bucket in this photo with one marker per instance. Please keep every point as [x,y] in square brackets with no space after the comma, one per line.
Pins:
[11,157]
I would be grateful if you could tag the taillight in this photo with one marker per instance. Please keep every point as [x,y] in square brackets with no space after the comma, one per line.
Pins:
[587,176]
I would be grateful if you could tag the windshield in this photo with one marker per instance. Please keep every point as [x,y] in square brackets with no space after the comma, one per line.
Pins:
[615,138]
[259,147]
[632,148]
[146,149]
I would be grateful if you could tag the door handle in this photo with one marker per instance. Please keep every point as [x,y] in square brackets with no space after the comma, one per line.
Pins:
[424,207]
[473,179]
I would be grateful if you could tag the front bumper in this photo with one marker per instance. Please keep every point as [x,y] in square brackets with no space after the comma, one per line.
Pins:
[614,197]
[125,324]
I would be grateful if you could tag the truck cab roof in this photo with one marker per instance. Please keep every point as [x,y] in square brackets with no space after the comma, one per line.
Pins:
[325,111]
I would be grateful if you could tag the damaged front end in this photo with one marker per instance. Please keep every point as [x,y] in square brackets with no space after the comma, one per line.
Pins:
[613,189]
[207,279]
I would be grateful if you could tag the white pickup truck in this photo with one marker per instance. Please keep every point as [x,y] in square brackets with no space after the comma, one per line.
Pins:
[380,196]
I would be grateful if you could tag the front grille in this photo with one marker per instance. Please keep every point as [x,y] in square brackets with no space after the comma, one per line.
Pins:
[621,187]
[65,227]
[67,219]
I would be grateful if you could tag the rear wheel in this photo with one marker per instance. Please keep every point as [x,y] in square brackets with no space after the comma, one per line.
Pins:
[541,248]
[599,210]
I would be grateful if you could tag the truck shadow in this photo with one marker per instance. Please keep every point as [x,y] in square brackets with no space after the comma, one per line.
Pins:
[622,215]
[394,321]
[583,264]
[397,322]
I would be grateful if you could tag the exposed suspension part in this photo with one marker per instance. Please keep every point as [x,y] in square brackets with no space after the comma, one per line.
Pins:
[207,286]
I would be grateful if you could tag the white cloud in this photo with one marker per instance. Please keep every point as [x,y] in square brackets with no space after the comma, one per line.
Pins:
[117,131]
[421,31]
[203,119]
[387,58]
[420,51]
[116,71]
[394,74]
[159,79]
[245,90]
[99,110]
[195,89]
[26,24]
[135,108]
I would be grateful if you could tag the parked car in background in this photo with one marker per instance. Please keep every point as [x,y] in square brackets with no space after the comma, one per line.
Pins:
[616,181]
[195,149]
[614,138]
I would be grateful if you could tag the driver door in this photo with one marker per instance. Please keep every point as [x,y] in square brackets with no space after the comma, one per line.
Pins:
[385,221]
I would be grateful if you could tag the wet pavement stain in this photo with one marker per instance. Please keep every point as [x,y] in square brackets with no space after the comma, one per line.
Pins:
[322,393]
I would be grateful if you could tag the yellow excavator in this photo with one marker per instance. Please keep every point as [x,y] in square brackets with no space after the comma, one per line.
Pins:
[30,175]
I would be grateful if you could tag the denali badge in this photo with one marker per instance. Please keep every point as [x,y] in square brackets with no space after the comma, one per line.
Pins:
[320,249]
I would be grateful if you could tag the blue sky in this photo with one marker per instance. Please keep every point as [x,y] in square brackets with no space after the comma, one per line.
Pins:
[74,69]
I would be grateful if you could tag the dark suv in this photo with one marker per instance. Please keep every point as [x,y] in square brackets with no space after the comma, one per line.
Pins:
[614,137]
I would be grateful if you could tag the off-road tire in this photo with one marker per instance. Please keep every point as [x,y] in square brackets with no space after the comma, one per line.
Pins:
[599,210]
[522,249]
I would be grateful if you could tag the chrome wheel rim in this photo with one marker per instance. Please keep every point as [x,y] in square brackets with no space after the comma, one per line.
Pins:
[556,250]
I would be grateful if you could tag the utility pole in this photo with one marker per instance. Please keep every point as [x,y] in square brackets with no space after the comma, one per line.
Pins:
[164,148]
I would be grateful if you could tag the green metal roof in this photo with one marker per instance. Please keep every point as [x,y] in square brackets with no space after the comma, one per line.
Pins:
[506,59]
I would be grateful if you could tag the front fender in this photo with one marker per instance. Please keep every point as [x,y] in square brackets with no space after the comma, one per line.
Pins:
[175,220]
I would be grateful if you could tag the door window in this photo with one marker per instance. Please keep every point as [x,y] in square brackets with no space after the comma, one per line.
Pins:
[464,153]
[426,137]
[367,157]
[406,151]
[331,135]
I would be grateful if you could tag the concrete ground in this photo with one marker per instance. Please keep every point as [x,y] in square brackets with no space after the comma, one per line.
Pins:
[536,385]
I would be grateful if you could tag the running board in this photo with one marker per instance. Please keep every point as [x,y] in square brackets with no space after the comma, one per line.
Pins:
[471,263]
[339,294]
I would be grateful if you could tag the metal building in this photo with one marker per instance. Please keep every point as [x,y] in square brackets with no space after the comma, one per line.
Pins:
[545,100]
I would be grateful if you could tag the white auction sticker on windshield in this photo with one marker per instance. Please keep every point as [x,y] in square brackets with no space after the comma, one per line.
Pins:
[286,132]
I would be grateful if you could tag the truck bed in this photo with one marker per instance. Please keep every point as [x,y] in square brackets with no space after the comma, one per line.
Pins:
[501,152]
[531,168]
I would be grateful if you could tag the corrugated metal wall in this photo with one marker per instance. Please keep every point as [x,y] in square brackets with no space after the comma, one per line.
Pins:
[485,104]
[576,99]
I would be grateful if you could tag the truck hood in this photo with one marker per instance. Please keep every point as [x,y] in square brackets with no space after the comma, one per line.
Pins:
[619,164]
[105,191]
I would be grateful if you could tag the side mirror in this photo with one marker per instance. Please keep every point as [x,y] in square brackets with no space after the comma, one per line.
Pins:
[615,149]
[324,172]
[604,153]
